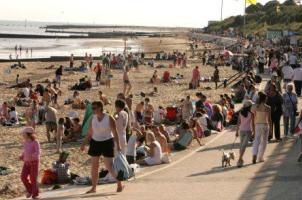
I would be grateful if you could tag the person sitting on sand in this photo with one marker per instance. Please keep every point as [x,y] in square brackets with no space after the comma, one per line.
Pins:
[166,77]
[163,131]
[159,115]
[24,84]
[75,131]
[104,99]
[132,145]
[196,129]
[77,103]
[153,150]
[148,112]
[161,139]
[217,117]
[13,116]
[155,79]
[184,137]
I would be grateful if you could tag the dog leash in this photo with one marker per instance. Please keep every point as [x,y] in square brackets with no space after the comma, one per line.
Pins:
[233,145]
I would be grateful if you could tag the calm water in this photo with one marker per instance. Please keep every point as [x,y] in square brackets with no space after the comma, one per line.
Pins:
[57,47]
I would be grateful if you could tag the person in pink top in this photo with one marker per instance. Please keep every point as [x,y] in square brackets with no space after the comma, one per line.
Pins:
[195,78]
[31,159]
[274,63]
[244,129]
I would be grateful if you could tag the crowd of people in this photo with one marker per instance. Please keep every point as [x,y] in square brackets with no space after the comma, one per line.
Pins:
[146,135]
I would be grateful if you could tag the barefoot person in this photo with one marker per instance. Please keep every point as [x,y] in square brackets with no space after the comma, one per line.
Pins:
[127,84]
[102,135]
[262,126]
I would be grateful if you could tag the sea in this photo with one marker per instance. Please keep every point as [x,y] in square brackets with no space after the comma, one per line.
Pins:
[40,48]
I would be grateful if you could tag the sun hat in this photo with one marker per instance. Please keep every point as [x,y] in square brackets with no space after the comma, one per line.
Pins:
[247,103]
[27,129]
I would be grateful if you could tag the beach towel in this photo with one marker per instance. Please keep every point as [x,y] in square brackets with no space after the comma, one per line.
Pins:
[122,168]
[87,119]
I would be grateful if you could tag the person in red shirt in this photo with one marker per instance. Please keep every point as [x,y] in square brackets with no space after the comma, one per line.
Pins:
[195,77]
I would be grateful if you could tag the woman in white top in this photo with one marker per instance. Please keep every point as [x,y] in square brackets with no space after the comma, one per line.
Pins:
[154,152]
[102,135]
[121,123]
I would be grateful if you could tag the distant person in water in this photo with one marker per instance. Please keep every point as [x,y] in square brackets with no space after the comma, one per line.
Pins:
[90,61]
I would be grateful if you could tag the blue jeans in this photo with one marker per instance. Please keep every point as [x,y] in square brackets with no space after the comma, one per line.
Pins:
[289,122]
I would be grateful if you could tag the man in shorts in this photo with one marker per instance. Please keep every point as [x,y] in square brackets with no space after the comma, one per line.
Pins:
[127,84]
[50,121]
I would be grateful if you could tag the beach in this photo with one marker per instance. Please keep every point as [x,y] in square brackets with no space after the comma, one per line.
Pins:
[168,94]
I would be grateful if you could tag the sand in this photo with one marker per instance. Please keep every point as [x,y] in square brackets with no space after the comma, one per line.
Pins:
[10,139]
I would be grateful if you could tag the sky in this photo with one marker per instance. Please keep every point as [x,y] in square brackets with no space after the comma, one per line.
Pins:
[176,13]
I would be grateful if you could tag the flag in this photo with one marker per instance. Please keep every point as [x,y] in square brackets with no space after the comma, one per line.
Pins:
[251,2]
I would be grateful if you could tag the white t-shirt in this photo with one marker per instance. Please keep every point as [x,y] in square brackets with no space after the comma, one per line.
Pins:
[25,91]
[13,115]
[288,72]
[121,126]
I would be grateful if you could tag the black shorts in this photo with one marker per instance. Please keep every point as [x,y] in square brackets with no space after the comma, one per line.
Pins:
[126,82]
[102,148]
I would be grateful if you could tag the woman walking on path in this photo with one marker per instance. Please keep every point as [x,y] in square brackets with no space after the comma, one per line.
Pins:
[245,129]
[102,135]
[262,125]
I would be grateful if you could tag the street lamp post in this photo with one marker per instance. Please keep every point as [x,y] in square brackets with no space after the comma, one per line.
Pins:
[221,11]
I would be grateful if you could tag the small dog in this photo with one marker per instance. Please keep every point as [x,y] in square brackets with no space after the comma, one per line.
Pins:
[227,157]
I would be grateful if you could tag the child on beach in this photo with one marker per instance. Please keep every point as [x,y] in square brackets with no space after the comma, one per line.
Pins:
[244,129]
[60,133]
[30,157]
